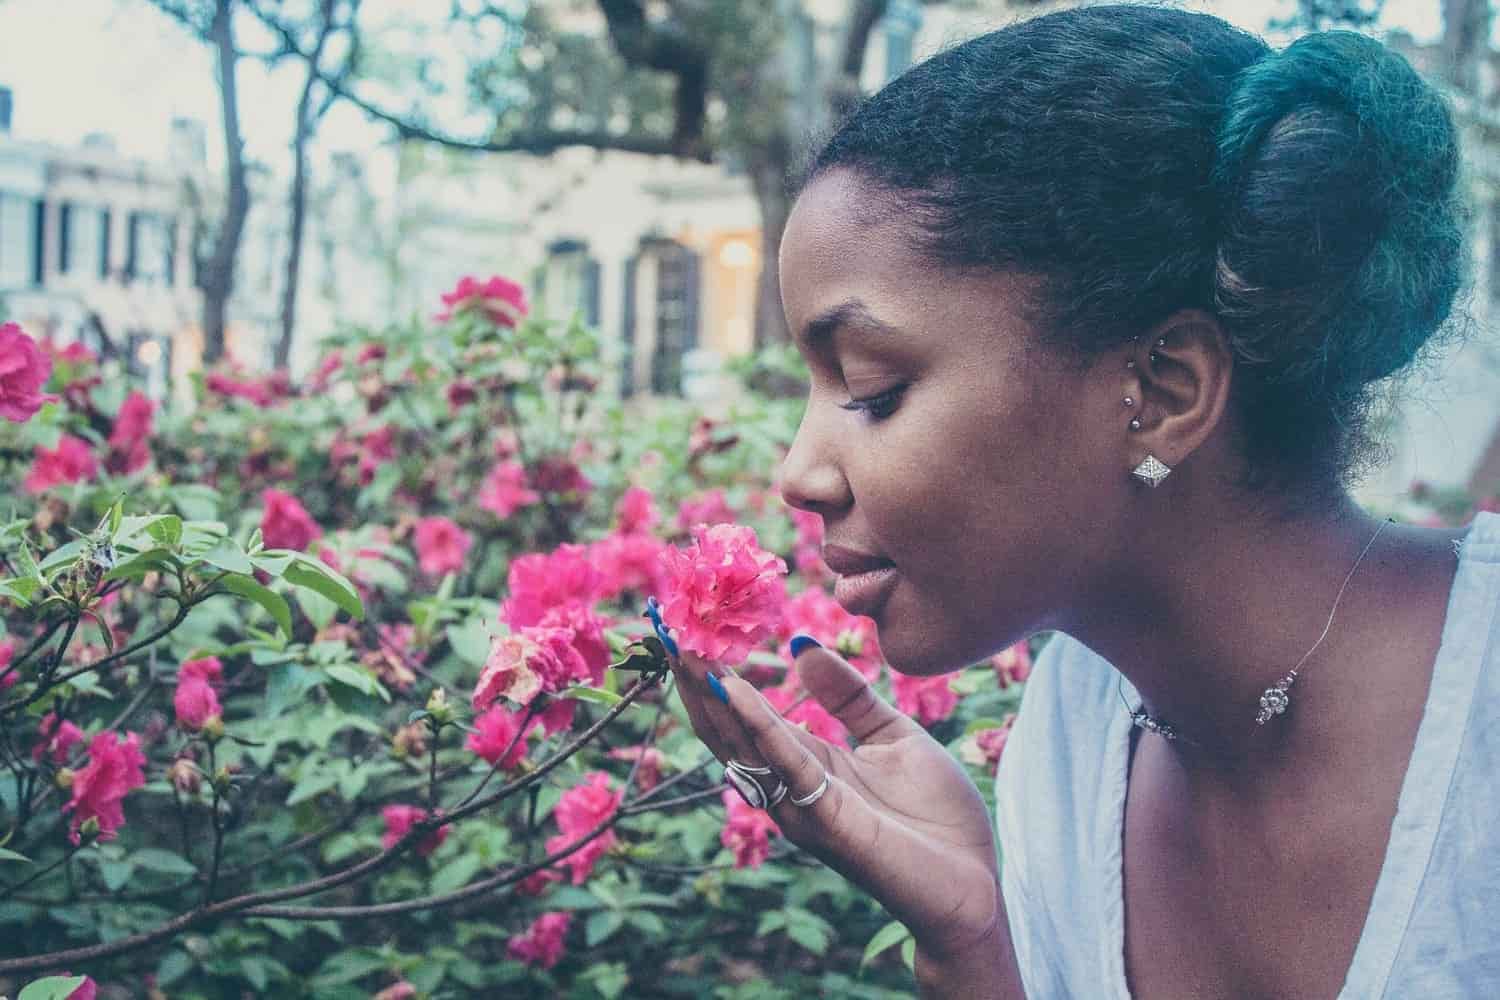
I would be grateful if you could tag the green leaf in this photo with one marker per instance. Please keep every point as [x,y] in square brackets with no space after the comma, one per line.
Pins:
[358,678]
[166,529]
[470,641]
[275,565]
[227,555]
[456,873]
[347,966]
[21,590]
[318,609]
[274,604]
[909,953]
[6,855]
[979,725]
[116,874]
[315,576]
[888,936]
[52,988]
[196,501]
[594,696]
[600,926]
[317,781]
[162,861]
[173,967]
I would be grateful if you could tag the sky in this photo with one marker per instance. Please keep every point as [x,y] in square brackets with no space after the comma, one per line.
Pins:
[122,67]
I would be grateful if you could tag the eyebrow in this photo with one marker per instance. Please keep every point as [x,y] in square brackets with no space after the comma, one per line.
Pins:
[850,312]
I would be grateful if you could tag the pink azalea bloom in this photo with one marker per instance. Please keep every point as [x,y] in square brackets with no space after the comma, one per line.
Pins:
[580,810]
[648,773]
[370,352]
[1012,664]
[86,990]
[815,613]
[207,668]
[628,561]
[70,462]
[523,664]
[984,748]
[331,363]
[709,507]
[504,490]
[399,819]
[497,738]
[129,440]
[114,769]
[401,990]
[557,716]
[24,369]
[501,300]
[540,582]
[588,637]
[799,708]
[285,523]
[541,944]
[747,831]
[723,593]
[376,448]
[195,703]
[536,883]
[7,651]
[55,741]
[441,545]
[926,699]
[636,511]
[561,475]
[461,392]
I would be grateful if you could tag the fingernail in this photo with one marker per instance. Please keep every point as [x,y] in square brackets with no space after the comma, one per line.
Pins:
[801,642]
[653,611]
[717,687]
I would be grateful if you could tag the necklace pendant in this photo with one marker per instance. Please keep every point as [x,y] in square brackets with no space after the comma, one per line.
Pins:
[1275,700]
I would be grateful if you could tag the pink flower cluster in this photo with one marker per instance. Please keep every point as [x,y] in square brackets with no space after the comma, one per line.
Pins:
[814,612]
[285,523]
[400,818]
[984,748]
[130,439]
[115,768]
[581,809]
[499,299]
[926,699]
[70,462]
[54,740]
[504,490]
[265,391]
[24,370]
[747,831]
[441,545]
[723,594]
[541,944]
[498,737]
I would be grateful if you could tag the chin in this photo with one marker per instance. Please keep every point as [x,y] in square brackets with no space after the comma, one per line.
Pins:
[926,660]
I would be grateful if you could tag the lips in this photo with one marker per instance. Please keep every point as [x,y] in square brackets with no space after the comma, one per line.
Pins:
[864,582]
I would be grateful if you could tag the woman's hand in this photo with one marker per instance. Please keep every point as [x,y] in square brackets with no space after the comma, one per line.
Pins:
[900,818]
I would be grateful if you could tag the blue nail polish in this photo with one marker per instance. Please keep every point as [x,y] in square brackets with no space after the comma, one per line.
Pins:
[801,642]
[717,686]
[653,611]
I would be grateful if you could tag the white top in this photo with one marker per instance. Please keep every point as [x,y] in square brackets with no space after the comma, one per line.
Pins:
[1433,929]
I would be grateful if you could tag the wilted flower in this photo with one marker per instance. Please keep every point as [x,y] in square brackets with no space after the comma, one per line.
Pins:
[185,776]
[723,594]
[113,770]
[523,664]
[541,944]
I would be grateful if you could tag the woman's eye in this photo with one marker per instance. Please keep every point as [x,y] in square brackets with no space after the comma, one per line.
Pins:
[878,406]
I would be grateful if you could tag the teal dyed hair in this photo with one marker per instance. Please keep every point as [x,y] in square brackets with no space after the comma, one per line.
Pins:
[1144,160]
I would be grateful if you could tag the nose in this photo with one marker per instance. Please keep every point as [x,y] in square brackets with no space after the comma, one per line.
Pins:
[811,478]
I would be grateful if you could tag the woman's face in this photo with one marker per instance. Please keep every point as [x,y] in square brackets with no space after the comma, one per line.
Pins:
[940,439]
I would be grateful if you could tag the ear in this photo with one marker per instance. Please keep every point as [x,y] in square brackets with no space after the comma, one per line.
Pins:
[1182,373]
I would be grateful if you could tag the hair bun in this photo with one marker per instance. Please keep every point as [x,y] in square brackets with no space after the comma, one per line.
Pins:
[1341,228]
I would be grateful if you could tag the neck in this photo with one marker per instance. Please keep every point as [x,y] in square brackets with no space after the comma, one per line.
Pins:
[1202,632]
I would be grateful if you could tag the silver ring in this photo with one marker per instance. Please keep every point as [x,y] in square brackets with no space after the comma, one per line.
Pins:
[743,781]
[812,796]
[748,768]
[777,795]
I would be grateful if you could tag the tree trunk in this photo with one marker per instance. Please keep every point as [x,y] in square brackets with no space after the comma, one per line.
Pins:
[1466,36]
[217,277]
[770,164]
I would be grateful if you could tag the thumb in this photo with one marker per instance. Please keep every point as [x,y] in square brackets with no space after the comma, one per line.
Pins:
[844,692]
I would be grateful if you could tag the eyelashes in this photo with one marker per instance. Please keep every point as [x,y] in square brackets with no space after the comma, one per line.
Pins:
[878,406]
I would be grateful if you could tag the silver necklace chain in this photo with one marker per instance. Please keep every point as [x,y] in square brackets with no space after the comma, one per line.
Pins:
[1276,697]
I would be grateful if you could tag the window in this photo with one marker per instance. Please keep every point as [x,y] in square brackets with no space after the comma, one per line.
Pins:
[148,248]
[19,241]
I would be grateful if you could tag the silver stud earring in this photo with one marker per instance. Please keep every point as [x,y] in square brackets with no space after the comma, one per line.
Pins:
[1135,424]
[1153,357]
[1129,401]
[1151,471]
[1162,342]
[1130,363]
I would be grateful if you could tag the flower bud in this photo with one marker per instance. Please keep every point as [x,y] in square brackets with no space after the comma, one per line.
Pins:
[409,741]
[185,776]
[88,832]
[64,778]
[213,729]
[438,707]
[221,780]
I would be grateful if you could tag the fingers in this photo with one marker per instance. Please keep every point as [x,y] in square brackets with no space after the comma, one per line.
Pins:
[848,697]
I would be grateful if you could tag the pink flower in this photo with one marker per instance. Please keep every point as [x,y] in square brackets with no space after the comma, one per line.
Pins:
[808,554]
[114,769]
[588,637]
[540,582]
[817,614]
[7,651]
[399,819]
[723,593]
[208,669]
[926,699]
[70,462]
[504,490]
[55,741]
[370,352]
[461,392]
[747,831]
[580,810]
[441,546]
[802,709]
[984,748]
[195,703]
[561,475]
[709,507]
[376,448]
[86,990]
[536,883]
[523,664]
[1012,664]
[628,561]
[331,363]
[501,300]
[557,716]
[541,944]
[497,738]
[400,990]
[24,369]
[636,511]
[129,441]
[285,523]
[648,772]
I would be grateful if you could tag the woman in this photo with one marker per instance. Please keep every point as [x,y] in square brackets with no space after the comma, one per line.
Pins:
[1094,308]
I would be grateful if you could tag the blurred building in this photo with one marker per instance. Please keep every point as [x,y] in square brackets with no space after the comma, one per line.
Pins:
[96,247]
